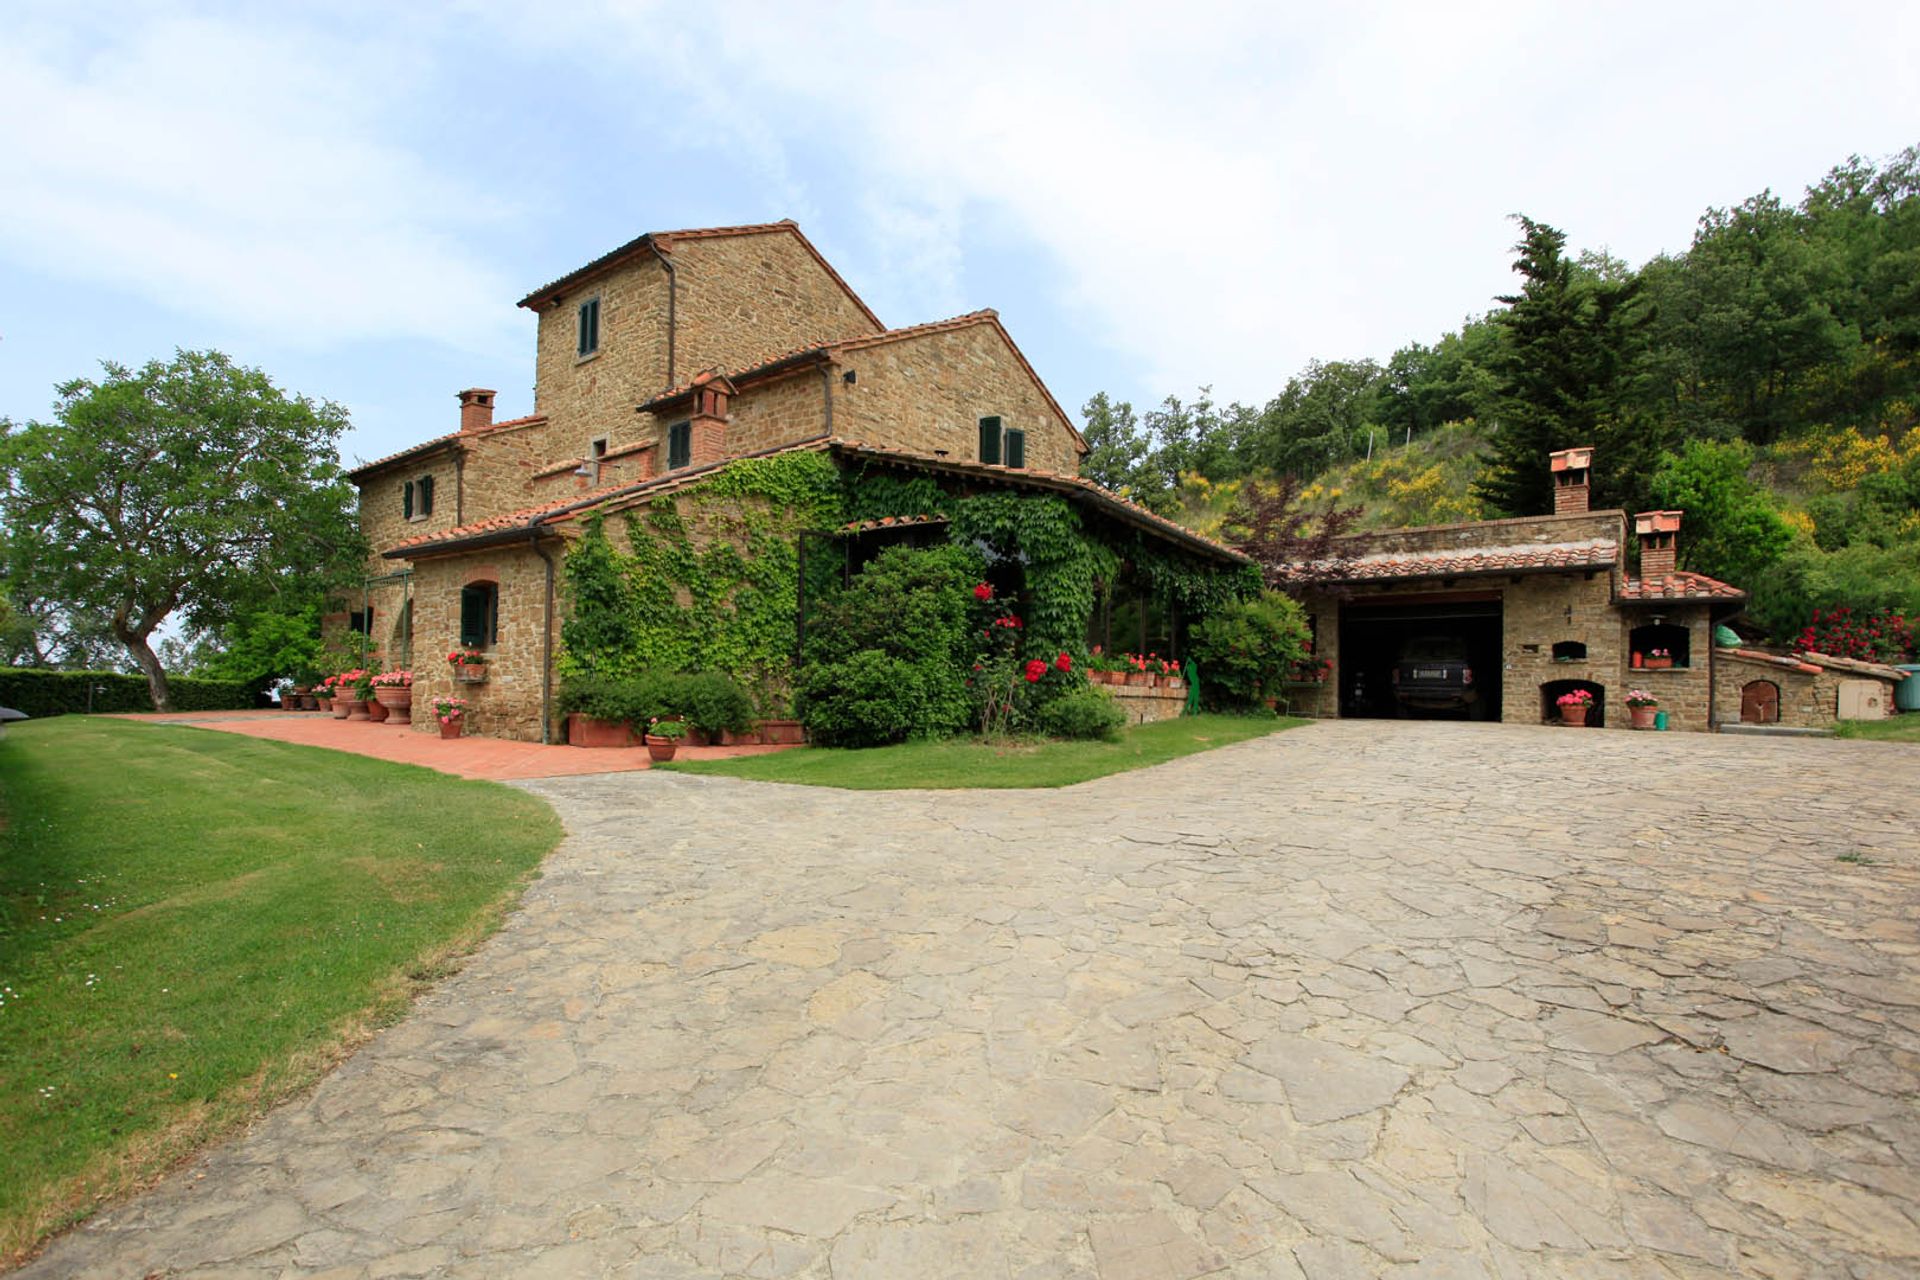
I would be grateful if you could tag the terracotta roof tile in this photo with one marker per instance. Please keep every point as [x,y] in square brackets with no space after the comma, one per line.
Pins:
[1770,659]
[1532,557]
[891,522]
[1678,586]
[1853,666]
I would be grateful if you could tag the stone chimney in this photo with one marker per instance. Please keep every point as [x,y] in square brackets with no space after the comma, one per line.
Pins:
[1572,480]
[712,398]
[476,409]
[1657,530]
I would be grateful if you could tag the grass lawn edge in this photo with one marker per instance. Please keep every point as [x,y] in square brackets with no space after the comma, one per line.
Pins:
[150,1157]
[842,768]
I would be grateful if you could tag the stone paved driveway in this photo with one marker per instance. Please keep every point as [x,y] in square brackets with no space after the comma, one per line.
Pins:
[1408,1000]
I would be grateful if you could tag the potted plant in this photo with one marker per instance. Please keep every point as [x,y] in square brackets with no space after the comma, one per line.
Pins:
[1138,673]
[1574,706]
[1659,659]
[663,738]
[343,695]
[322,694]
[393,690]
[452,715]
[469,665]
[1170,677]
[600,710]
[1641,707]
[359,687]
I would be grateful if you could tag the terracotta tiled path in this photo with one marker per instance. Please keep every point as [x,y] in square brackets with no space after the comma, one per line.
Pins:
[1360,1000]
[488,758]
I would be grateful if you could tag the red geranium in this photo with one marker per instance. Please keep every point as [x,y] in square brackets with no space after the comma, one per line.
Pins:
[983,592]
[1064,662]
[1035,669]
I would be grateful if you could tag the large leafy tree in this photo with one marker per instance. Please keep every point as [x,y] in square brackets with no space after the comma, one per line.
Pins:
[193,487]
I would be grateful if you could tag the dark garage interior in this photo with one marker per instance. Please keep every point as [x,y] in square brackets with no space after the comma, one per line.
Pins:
[1374,636]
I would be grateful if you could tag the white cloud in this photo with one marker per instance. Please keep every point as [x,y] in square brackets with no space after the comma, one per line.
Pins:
[1231,189]
[241,174]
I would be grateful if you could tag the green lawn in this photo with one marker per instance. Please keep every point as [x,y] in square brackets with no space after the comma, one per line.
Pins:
[1904,727]
[957,763]
[193,924]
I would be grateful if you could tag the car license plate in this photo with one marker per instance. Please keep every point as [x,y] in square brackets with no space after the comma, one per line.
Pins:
[1429,673]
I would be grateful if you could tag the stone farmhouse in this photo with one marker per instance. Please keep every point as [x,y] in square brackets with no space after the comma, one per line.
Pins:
[658,366]
[1543,605]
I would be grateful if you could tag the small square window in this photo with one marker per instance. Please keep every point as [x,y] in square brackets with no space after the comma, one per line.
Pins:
[679,445]
[598,449]
[589,330]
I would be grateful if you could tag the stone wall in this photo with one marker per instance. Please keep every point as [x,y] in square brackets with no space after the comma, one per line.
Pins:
[507,705]
[1685,693]
[1807,700]
[382,504]
[745,299]
[929,392]
[1148,705]
[740,300]
[769,414]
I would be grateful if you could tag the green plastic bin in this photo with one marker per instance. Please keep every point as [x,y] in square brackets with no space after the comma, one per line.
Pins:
[1906,694]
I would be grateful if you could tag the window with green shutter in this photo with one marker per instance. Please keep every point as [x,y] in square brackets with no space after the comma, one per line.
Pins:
[1016,449]
[589,326]
[425,488]
[679,445]
[479,615]
[990,441]
[406,501]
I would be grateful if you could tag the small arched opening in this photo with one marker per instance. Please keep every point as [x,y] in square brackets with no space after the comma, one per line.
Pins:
[1760,702]
[1661,644]
[1552,690]
[1570,651]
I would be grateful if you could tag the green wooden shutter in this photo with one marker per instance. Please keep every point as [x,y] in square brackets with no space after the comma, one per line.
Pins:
[426,495]
[990,440]
[679,445]
[1016,448]
[473,617]
[406,501]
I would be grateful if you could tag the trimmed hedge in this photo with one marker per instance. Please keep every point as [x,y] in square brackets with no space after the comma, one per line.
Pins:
[41,693]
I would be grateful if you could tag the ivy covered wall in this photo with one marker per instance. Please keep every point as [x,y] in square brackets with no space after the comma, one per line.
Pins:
[707,579]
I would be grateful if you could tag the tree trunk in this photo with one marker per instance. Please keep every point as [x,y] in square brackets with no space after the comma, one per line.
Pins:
[149,664]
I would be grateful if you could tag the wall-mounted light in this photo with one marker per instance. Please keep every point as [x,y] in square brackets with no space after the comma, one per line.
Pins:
[847,377]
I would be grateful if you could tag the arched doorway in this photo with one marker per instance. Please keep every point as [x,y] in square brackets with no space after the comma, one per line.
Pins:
[1760,702]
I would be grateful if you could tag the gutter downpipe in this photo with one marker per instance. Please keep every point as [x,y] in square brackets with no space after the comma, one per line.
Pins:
[826,386]
[546,643]
[673,294]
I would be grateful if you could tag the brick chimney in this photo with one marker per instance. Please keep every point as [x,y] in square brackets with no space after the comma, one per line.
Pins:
[1657,530]
[476,409]
[712,397]
[1572,479]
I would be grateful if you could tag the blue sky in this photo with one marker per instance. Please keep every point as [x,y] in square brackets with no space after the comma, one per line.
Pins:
[1154,197]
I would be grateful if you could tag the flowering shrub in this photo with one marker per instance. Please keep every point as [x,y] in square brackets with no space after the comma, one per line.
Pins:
[1034,670]
[1635,698]
[354,685]
[449,709]
[1577,698]
[1064,662]
[1245,648]
[393,680]
[983,592]
[1885,635]
[467,658]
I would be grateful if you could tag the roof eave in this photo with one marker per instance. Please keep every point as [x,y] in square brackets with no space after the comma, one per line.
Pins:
[1445,576]
[409,455]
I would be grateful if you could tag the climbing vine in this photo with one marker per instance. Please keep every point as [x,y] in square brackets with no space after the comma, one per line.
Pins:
[1065,566]
[709,580]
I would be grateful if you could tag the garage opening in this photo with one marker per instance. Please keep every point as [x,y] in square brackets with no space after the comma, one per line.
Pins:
[1421,657]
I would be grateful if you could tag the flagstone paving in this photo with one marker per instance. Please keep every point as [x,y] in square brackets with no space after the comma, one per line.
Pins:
[1360,999]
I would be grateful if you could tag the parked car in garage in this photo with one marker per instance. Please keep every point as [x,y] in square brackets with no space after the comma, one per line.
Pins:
[1433,674]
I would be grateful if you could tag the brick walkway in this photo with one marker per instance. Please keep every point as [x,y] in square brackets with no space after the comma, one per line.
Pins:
[491,759]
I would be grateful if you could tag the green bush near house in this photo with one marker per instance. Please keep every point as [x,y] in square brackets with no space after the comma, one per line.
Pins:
[1085,713]
[1245,648]
[713,703]
[887,656]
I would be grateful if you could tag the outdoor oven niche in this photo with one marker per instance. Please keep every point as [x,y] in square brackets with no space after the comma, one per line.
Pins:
[1663,635]
[1550,701]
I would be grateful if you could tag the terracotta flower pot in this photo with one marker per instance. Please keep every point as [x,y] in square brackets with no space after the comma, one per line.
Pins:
[585,731]
[750,738]
[697,737]
[356,709]
[660,750]
[1659,664]
[782,732]
[471,672]
[377,711]
[1140,679]
[1642,717]
[309,703]
[394,697]
[342,707]
[1575,714]
[452,728]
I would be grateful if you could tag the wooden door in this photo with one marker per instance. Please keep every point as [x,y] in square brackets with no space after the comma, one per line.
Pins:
[1760,703]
